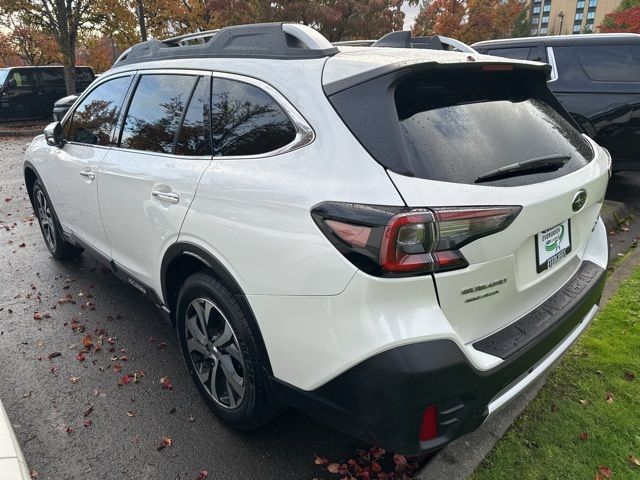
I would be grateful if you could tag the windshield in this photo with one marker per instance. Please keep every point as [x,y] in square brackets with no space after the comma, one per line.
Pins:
[4,72]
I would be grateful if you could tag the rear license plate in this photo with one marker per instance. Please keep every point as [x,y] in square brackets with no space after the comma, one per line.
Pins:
[552,245]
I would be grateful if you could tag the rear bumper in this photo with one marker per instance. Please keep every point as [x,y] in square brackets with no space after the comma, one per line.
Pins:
[382,399]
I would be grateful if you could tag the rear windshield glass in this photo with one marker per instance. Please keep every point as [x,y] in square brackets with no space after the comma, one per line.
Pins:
[457,128]
[610,63]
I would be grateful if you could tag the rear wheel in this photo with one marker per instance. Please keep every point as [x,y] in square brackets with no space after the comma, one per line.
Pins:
[221,350]
[50,227]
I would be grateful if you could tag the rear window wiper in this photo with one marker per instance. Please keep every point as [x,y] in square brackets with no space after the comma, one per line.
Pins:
[548,163]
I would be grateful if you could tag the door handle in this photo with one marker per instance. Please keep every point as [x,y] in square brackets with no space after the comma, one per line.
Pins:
[166,196]
[88,174]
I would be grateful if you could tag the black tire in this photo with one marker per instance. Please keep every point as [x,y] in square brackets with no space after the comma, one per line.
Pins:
[257,406]
[50,226]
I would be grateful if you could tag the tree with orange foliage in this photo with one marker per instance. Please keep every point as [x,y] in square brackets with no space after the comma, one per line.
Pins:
[624,21]
[335,19]
[469,21]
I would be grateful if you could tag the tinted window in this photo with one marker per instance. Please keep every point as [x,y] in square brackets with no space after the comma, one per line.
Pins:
[521,53]
[93,120]
[459,127]
[195,135]
[84,75]
[23,78]
[246,121]
[613,63]
[52,76]
[155,112]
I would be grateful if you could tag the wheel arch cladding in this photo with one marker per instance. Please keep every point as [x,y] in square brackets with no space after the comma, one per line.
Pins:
[30,177]
[184,259]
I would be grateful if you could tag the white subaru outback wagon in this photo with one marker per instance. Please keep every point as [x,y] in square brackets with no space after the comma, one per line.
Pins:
[396,241]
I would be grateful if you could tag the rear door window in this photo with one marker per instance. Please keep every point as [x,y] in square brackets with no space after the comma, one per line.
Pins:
[95,117]
[52,77]
[245,120]
[155,112]
[610,63]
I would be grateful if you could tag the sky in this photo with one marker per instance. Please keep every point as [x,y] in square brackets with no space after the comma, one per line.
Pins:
[410,14]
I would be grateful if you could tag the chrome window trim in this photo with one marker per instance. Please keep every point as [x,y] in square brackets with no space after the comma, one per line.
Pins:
[304,133]
[552,61]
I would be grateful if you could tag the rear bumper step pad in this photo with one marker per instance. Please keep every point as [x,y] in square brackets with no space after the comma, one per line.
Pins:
[519,334]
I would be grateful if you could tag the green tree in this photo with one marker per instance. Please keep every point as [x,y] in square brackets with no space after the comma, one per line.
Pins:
[522,26]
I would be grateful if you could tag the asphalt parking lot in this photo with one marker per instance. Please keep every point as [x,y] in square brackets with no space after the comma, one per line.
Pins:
[71,417]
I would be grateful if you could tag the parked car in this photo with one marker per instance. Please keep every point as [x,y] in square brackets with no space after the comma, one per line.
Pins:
[62,106]
[29,92]
[596,77]
[396,241]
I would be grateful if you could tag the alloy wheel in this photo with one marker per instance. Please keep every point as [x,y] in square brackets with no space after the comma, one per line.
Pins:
[45,217]
[215,353]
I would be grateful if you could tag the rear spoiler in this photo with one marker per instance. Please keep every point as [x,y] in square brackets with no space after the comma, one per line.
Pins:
[402,68]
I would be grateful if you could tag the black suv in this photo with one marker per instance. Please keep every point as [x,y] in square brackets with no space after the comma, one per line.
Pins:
[597,79]
[30,92]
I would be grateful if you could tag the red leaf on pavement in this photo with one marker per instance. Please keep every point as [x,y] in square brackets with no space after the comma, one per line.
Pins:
[125,380]
[399,459]
[202,474]
[165,442]
[8,199]
[605,471]
[81,357]
[162,345]
[333,467]
[166,384]
[69,430]
[88,422]
[124,358]
[87,342]
[37,316]
[117,368]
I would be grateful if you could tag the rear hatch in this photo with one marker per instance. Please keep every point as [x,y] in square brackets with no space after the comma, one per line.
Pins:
[486,134]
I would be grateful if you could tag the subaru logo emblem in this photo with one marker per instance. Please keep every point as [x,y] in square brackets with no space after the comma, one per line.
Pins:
[579,199]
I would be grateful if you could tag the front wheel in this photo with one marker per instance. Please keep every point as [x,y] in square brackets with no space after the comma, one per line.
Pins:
[50,227]
[221,350]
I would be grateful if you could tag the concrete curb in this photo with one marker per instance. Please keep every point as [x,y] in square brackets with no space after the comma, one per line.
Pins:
[459,459]
[12,463]
[613,213]
[20,133]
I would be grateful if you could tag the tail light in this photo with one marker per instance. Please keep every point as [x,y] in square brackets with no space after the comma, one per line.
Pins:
[388,241]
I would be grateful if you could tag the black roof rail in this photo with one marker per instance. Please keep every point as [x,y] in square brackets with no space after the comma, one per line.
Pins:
[403,39]
[190,38]
[259,40]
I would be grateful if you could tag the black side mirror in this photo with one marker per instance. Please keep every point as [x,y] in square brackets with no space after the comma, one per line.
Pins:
[53,134]
[12,83]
